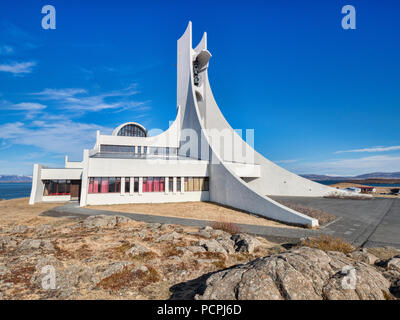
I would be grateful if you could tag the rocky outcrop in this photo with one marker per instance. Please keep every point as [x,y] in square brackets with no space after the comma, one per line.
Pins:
[169,237]
[394,264]
[391,271]
[20,229]
[302,273]
[8,242]
[43,229]
[364,256]
[225,243]
[29,245]
[212,245]
[137,249]
[245,242]
[103,221]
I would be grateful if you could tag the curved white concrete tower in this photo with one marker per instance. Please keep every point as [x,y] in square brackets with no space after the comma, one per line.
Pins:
[206,135]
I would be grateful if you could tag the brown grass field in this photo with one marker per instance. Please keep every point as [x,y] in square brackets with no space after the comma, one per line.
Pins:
[193,210]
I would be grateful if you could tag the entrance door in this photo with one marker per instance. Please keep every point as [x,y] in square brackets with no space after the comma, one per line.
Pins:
[75,189]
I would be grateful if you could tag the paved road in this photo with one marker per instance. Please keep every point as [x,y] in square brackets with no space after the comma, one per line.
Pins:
[367,223]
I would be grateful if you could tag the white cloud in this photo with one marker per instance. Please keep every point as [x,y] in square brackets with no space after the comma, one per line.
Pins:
[78,99]
[30,110]
[56,94]
[18,67]
[61,137]
[29,106]
[373,149]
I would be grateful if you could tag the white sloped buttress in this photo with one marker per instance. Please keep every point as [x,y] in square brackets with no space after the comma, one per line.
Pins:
[225,186]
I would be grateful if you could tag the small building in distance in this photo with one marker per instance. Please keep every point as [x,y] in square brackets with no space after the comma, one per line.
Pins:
[367,189]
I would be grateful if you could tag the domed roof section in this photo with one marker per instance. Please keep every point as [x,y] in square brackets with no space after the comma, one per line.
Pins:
[130,129]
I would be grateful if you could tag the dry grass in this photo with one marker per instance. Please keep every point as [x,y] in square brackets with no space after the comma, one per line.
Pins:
[220,263]
[356,196]
[128,278]
[327,243]
[61,253]
[384,253]
[18,211]
[229,227]
[173,252]
[193,210]
[322,216]
[145,256]
[21,275]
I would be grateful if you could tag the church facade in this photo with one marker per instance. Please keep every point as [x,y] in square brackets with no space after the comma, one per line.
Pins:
[199,158]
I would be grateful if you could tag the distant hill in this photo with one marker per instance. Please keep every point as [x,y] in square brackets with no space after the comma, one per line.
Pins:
[321,177]
[14,178]
[373,175]
[382,175]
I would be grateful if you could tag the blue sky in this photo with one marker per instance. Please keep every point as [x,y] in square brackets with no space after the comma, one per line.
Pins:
[321,99]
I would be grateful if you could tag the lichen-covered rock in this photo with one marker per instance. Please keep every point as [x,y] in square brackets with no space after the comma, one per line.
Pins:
[43,229]
[169,237]
[114,268]
[4,270]
[303,273]
[142,234]
[141,268]
[153,225]
[245,242]
[20,229]
[394,264]
[8,242]
[165,227]
[204,234]
[104,221]
[137,249]
[363,255]
[227,244]
[66,279]
[212,245]
[195,249]
[28,245]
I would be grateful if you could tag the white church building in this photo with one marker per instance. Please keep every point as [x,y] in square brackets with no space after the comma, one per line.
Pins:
[199,158]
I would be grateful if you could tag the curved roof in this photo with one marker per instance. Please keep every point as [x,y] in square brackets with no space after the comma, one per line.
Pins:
[117,131]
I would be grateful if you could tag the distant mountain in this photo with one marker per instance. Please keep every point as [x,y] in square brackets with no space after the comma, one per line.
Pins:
[373,175]
[321,177]
[14,178]
[382,175]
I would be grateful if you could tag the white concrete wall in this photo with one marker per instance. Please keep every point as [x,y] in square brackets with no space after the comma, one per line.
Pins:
[40,173]
[244,170]
[108,167]
[146,197]
[230,190]
[73,164]
[85,178]
[56,198]
[37,185]
[60,174]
